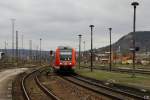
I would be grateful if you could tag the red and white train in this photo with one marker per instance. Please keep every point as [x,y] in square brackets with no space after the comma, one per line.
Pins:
[65,58]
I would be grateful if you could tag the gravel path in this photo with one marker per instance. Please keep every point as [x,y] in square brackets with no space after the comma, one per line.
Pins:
[6,78]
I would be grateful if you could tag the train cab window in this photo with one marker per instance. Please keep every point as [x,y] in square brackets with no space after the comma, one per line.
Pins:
[66,55]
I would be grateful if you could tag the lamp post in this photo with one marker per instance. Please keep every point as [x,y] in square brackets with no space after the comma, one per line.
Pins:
[134,4]
[110,51]
[91,26]
[79,49]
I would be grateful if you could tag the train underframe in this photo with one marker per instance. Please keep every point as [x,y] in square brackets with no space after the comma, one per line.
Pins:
[64,69]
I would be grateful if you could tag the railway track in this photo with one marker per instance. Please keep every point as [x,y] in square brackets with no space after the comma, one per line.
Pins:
[33,89]
[95,86]
[138,71]
[106,89]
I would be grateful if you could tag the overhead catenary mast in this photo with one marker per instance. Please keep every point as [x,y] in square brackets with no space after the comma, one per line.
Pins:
[13,34]
[40,50]
[30,47]
[16,47]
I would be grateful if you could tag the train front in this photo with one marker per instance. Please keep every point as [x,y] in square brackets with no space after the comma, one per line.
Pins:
[65,58]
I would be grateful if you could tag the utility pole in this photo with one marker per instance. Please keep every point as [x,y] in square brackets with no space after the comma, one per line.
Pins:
[110,51]
[134,4]
[13,32]
[40,50]
[91,26]
[16,47]
[79,49]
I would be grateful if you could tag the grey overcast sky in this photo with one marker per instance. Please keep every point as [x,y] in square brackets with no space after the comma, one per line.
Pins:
[58,22]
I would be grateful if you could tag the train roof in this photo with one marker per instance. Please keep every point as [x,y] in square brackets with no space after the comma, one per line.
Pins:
[64,47]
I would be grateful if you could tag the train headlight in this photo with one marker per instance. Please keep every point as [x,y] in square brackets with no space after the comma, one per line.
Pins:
[60,63]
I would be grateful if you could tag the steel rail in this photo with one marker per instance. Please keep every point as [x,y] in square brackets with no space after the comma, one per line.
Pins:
[40,85]
[94,90]
[138,71]
[45,90]
[23,85]
[90,81]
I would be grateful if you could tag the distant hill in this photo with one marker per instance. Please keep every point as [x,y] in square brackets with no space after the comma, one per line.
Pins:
[142,40]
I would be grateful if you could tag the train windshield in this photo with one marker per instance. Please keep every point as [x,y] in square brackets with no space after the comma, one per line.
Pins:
[66,55]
